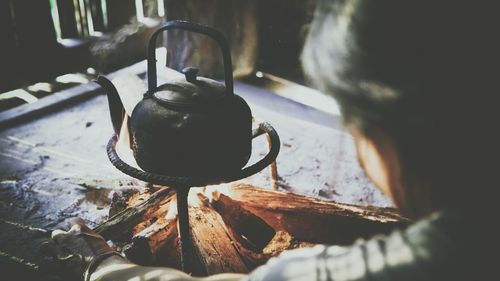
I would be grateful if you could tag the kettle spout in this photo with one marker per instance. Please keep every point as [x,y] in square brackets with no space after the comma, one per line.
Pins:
[116,109]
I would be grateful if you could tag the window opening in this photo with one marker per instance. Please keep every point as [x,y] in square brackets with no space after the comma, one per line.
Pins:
[149,8]
[79,18]
[161,8]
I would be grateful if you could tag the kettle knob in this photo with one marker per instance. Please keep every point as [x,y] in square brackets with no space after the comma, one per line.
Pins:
[191,73]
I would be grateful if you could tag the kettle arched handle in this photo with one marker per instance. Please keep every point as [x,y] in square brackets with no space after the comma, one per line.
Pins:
[193,27]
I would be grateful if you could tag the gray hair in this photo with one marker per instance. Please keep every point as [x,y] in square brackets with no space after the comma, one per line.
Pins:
[421,71]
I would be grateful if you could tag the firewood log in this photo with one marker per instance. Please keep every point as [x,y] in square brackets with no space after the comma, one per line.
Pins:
[147,243]
[250,230]
[119,226]
[314,220]
[212,243]
[121,200]
[242,228]
[283,241]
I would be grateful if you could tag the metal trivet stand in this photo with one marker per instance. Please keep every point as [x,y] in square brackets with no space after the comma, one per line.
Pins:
[183,184]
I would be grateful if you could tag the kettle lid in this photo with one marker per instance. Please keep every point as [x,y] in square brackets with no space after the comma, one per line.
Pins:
[190,90]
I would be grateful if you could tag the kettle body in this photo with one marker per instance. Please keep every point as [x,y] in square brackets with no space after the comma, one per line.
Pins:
[189,126]
[203,141]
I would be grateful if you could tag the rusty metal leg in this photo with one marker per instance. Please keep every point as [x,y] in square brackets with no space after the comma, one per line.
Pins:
[273,168]
[183,226]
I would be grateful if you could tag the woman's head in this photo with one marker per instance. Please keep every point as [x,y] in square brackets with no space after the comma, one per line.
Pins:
[415,75]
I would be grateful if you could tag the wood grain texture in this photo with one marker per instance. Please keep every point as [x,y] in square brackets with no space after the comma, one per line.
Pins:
[213,244]
[118,226]
[314,220]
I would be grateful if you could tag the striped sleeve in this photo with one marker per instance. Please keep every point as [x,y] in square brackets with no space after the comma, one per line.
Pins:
[425,251]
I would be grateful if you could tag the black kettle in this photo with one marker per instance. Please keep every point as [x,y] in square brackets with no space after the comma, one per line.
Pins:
[193,126]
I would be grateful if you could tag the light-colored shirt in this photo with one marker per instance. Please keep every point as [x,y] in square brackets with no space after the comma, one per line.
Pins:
[428,250]
[445,246]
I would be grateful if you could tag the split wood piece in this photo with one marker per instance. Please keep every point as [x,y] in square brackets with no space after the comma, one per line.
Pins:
[251,257]
[153,214]
[118,227]
[169,253]
[147,243]
[212,244]
[222,235]
[157,243]
[156,233]
[258,236]
[314,220]
[250,233]
[121,200]
[283,241]
[163,227]
[248,229]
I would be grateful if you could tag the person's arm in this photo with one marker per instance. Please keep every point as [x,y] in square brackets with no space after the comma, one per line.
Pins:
[93,259]
[294,265]
[427,250]
[421,251]
[86,256]
[114,268]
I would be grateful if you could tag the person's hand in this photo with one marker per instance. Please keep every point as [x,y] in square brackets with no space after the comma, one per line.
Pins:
[80,249]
